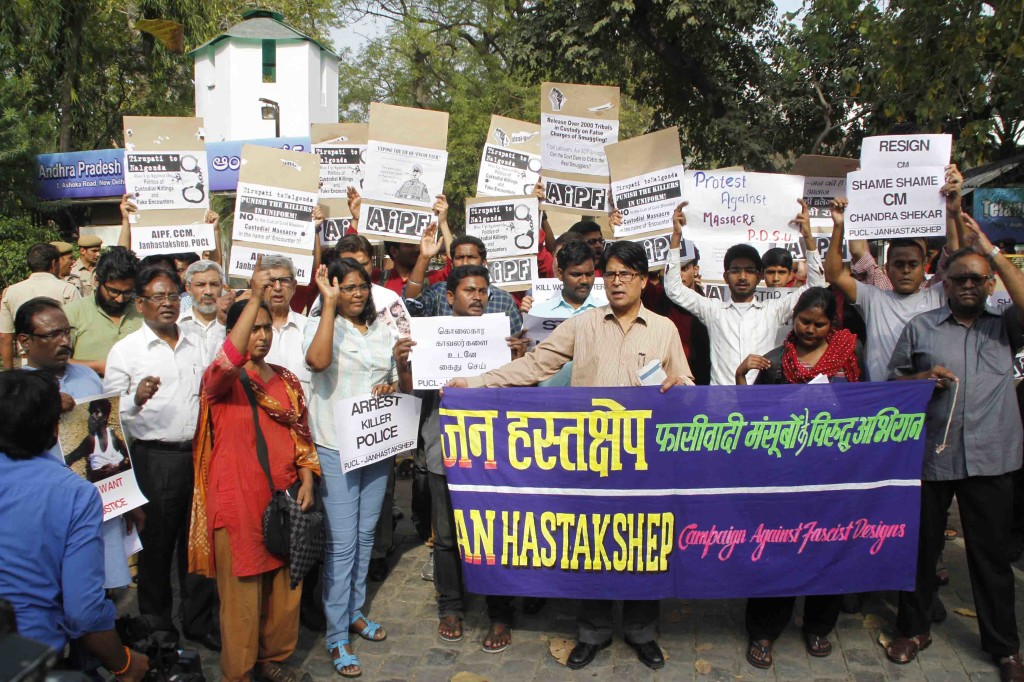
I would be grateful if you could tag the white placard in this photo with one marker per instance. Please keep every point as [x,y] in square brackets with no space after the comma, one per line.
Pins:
[508,227]
[93,446]
[578,195]
[647,201]
[173,239]
[394,222]
[341,166]
[656,246]
[572,144]
[515,273]
[548,288]
[905,151]
[373,428]
[333,229]
[274,215]
[243,262]
[448,347]
[404,174]
[895,202]
[506,172]
[539,328]
[171,179]
[819,193]
[743,207]
[720,292]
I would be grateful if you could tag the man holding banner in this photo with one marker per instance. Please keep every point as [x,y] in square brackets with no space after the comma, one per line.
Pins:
[610,346]
[973,445]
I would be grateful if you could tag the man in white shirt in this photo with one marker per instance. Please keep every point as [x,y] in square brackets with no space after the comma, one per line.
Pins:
[575,269]
[204,282]
[286,348]
[157,372]
[744,325]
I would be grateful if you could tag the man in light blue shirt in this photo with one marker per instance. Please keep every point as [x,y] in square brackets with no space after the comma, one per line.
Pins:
[576,272]
[43,331]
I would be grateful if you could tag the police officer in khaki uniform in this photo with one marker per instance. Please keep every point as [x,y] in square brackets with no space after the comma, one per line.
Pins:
[67,259]
[42,262]
[89,246]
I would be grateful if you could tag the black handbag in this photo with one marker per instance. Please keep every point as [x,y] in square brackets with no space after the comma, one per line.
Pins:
[288,532]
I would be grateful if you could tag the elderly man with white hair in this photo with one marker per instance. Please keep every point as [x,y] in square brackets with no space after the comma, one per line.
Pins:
[205,284]
[286,349]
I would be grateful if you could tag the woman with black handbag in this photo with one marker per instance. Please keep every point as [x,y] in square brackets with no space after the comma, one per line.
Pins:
[350,354]
[259,614]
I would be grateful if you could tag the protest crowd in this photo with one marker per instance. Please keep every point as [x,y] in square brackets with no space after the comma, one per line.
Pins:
[229,403]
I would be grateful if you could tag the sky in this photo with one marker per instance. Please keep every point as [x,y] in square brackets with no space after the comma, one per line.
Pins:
[355,35]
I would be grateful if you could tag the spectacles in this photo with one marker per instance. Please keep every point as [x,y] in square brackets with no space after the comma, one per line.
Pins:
[595,241]
[160,299]
[283,281]
[353,288]
[975,280]
[69,332]
[742,271]
[126,294]
[624,276]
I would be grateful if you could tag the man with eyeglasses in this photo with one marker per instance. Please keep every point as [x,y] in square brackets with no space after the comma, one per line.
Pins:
[608,346]
[157,371]
[743,325]
[43,260]
[204,282]
[44,332]
[591,234]
[106,317]
[973,444]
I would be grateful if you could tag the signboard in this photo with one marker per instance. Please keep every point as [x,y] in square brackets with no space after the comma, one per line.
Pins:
[510,164]
[507,226]
[448,347]
[372,428]
[647,181]
[890,203]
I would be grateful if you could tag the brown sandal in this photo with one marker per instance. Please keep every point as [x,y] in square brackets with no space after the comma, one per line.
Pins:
[759,653]
[905,649]
[500,637]
[449,628]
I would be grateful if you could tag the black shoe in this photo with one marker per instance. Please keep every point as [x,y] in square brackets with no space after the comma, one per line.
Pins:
[532,605]
[938,609]
[211,640]
[378,570]
[649,654]
[583,654]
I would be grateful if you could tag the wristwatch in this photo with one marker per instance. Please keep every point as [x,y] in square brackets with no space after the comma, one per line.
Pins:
[993,253]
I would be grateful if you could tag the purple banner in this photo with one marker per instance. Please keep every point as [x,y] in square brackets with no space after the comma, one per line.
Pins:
[702,492]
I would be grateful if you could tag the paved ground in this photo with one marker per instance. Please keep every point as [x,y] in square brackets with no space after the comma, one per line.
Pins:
[703,640]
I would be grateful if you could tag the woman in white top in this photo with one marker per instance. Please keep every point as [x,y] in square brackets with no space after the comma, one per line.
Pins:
[350,354]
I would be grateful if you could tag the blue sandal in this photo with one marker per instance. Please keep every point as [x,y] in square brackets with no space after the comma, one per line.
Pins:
[343,659]
[373,632]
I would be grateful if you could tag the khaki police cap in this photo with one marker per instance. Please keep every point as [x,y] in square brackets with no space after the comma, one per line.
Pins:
[89,240]
[63,247]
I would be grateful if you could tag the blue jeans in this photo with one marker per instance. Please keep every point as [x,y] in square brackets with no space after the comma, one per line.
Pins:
[352,502]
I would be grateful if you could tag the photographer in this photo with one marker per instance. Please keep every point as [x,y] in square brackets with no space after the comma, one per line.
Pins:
[51,553]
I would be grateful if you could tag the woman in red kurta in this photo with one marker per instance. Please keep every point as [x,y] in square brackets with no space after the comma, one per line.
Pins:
[259,612]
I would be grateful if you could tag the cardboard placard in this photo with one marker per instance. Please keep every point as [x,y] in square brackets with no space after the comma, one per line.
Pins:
[373,428]
[888,203]
[743,207]
[448,347]
[406,156]
[646,181]
[656,246]
[576,123]
[507,226]
[165,162]
[817,166]
[580,194]
[905,151]
[172,231]
[510,163]
[277,193]
[342,151]
[393,222]
[515,273]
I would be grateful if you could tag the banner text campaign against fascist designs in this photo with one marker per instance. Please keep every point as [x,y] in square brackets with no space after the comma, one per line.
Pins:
[701,492]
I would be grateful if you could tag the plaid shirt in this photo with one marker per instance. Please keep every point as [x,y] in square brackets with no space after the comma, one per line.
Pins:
[432,302]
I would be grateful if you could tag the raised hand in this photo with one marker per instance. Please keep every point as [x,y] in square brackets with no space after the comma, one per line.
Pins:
[441,208]
[260,280]
[355,201]
[952,189]
[538,190]
[838,209]
[430,244]
[803,220]
[329,290]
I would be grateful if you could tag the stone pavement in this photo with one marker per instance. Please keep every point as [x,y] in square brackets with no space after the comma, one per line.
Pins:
[703,640]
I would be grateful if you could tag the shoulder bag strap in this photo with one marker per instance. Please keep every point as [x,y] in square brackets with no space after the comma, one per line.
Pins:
[261,444]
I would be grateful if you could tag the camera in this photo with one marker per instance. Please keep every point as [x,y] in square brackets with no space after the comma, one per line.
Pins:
[167,662]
